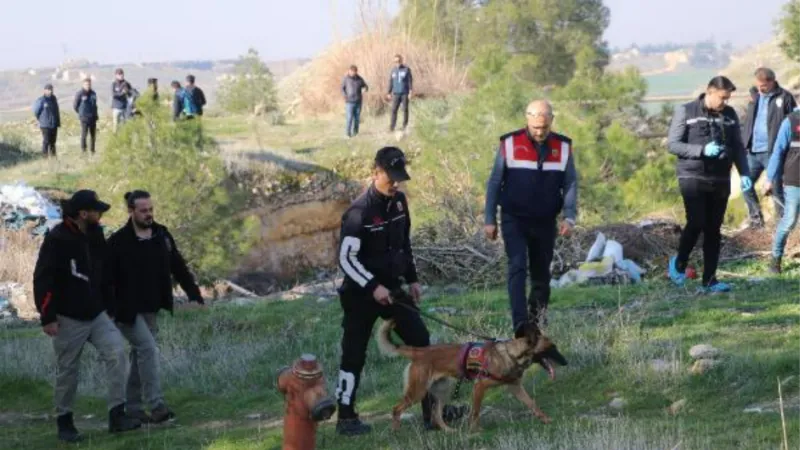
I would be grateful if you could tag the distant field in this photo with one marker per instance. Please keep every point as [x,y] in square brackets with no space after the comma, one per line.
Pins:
[678,83]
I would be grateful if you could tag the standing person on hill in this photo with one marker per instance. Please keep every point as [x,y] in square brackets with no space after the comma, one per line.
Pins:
[401,84]
[193,99]
[706,137]
[353,88]
[177,99]
[784,169]
[143,260]
[72,295]
[533,180]
[152,88]
[121,91]
[769,105]
[45,109]
[85,105]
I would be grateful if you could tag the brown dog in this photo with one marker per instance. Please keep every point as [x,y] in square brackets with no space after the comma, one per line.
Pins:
[489,364]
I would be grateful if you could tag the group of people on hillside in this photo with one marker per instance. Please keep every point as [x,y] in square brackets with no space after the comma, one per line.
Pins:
[188,102]
[399,91]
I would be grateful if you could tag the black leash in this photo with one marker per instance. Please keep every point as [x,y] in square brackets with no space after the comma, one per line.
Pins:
[414,308]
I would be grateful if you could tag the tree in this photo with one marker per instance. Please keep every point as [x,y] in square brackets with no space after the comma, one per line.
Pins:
[251,86]
[789,26]
[181,168]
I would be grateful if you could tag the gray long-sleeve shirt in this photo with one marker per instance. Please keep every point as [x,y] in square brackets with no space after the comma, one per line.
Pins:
[569,189]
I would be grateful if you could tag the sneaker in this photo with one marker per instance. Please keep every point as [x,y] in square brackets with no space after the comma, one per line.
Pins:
[161,414]
[352,427]
[66,429]
[716,287]
[775,265]
[677,277]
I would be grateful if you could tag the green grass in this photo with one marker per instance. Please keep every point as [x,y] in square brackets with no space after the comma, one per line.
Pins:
[219,365]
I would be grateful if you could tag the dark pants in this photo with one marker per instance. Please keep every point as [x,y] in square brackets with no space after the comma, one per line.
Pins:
[49,136]
[360,313]
[529,246]
[397,100]
[353,117]
[705,203]
[88,127]
[758,163]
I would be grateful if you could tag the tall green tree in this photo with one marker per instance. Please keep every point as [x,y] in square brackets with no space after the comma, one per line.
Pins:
[252,85]
[789,26]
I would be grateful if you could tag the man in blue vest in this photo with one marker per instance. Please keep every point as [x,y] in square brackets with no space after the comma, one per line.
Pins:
[784,171]
[533,180]
[706,138]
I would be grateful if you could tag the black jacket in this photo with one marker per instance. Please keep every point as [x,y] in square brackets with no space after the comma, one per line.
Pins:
[69,276]
[693,126]
[85,105]
[374,246]
[352,88]
[781,104]
[141,272]
[119,100]
[197,97]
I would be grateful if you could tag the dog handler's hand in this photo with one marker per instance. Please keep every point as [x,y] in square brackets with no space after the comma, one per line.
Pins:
[51,329]
[382,295]
[416,292]
[566,227]
[768,188]
[490,231]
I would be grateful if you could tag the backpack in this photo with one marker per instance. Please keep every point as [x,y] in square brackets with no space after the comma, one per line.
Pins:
[189,106]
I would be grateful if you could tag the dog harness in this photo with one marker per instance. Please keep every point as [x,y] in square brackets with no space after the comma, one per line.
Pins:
[473,362]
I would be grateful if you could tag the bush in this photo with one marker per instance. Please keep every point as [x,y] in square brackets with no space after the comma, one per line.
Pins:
[181,168]
[250,89]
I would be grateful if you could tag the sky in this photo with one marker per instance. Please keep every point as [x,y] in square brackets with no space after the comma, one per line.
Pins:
[37,33]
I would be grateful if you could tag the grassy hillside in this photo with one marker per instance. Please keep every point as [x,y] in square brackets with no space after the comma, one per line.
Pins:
[629,343]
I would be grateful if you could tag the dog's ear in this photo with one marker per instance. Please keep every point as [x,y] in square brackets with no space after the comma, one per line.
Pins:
[533,333]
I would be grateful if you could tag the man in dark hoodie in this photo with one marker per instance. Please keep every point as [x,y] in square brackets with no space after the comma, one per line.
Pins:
[769,105]
[71,292]
[353,88]
[121,94]
[47,114]
[86,106]
[193,99]
[143,259]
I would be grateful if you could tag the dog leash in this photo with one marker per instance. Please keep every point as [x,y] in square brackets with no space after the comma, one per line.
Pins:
[442,322]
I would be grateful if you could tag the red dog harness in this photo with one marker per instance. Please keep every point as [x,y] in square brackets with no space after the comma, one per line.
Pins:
[473,362]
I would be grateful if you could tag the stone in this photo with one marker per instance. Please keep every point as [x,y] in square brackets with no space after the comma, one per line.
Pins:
[323,300]
[703,351]
[676,407]
[702,366]
[256,416]
[618,403]
[660,366]
[241,301]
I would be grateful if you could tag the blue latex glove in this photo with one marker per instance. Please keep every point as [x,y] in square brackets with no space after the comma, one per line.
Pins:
[711,150]
[747,184]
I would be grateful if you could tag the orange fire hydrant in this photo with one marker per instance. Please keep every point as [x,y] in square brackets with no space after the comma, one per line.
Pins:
[307,402]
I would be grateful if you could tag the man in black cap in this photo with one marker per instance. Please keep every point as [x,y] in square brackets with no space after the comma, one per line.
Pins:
[72,296]
[375,255]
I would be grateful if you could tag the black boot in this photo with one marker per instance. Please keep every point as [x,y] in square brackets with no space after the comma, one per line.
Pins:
[161,414]
[775,265]
[119,421]
[66,429]
[349,424]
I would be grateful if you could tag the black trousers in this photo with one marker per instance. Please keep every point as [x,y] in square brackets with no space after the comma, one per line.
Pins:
[397,101]
[361,312]
[88,127]
[529,246]
[705,203]
[49,136]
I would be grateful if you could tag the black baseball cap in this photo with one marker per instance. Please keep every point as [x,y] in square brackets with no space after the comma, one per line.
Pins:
[86,200]
[393,161]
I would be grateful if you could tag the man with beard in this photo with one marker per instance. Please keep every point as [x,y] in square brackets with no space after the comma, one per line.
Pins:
[143,259]
[71,293]
[375,255]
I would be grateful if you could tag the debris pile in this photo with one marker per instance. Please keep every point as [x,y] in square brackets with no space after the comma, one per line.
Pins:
[23,208]
[604,264]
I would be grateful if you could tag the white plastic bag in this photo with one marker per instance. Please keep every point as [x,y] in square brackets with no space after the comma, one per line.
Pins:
[614,250]
[596,252]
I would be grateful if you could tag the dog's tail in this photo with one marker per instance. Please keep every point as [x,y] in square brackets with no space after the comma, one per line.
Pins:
[385,344]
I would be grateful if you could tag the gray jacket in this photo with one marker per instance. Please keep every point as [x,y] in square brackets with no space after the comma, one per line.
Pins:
[352,88]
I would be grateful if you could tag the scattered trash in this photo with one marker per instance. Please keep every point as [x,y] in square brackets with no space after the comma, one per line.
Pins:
[605,264]
[704,351]
[22,207]
[618,403]
[596,251]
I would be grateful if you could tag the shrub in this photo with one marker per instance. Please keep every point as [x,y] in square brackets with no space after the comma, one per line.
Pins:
[250,89]
[181,168]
